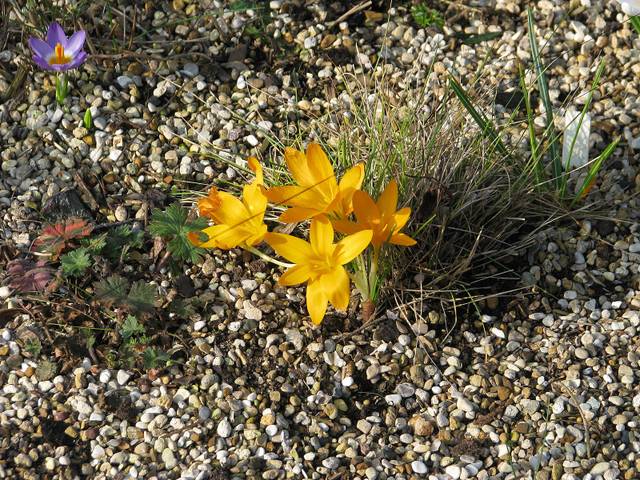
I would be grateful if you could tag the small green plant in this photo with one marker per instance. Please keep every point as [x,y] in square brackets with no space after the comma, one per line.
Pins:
[87,120]
[139,297]
[34,347]
[426,16]
[173,225]
[133,331]
[75,263]
[155,358]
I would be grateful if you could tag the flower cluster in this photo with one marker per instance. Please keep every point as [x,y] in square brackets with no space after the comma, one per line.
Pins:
[328,204]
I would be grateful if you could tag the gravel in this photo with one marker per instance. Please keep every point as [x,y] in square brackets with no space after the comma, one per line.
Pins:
[542,386]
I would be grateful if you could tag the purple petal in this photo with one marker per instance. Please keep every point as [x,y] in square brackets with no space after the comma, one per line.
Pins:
[75,43]
[42,63]
[76,61]
[55,35]
[41,48]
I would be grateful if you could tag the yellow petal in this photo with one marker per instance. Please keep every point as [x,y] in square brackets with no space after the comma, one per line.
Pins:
[230,209]
[317,299]
[347,227]
[255,201]
[257,234]
[353,178]
[321,169]
[402,239]
[336,284]
[295,275]
[365,208]
[350,247]
[400,218]
[298,214]
[256,168]
[349,184]
[388,200]
[292,248]
[224,237]
[321,236]
[296,196]
[299,167]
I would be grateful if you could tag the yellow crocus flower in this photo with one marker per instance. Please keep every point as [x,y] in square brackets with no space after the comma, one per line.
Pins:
[381,217]
[237,222]
[317,192]
[319,262]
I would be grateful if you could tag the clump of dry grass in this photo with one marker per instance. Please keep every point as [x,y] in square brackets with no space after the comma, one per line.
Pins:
[474,204]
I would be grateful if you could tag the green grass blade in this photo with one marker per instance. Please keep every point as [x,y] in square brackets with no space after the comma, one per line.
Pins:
[487,127]
[546,100]
[585,108]
[595,168]
[536,158]
[635,21]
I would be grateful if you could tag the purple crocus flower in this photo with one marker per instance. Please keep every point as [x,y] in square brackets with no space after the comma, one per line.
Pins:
[57,52]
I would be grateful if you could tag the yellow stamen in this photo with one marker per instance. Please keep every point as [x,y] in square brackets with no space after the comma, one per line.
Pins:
[59,58]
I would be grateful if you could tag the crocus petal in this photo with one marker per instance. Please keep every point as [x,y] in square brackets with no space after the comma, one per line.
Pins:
[76,61]
[347,227]
[364,207]
[75,43]
[321,168]
[224,237]
[353,178]
[41,48]
[292,248]
[296,196]
[298,214]
[254,201]
[256,234]
[400,218]
[42,63]
[321,236]
[295,275]
[402,239]
[299,167]
[336,284]
[256,168]
[350,247]
[388,200]
[55,35]
[317,300]
[230,209]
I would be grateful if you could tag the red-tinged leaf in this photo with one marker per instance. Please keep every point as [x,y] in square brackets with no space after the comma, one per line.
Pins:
[55,238]
[27,276]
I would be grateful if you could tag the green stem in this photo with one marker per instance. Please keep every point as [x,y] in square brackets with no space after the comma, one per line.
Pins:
[62,88]
[266,257]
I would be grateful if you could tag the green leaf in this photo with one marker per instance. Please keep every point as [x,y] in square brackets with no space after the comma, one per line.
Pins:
[154,358]
[75,263]
[484,37]
[593,171]
[173,225]
[543,86]
[111,290]
[120,240]
[486,125]
[425,16]
[635,22]
[87,119]
[94,245]
[131,328]
[142,296]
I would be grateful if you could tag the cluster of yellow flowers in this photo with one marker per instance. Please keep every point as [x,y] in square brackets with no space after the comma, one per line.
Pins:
[318,197]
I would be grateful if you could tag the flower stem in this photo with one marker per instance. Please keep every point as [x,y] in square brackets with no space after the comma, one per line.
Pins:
[266,257]
[62,88]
